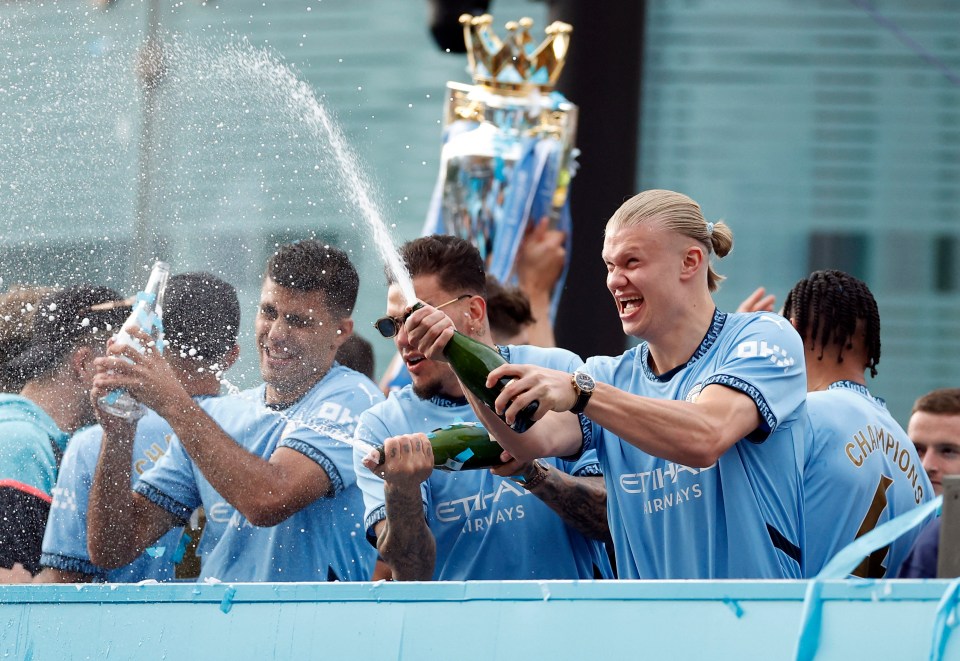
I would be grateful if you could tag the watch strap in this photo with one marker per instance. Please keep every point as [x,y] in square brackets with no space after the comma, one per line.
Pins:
[540,470]
[583,397]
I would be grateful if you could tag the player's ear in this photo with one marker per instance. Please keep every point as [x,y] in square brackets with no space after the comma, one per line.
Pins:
[694,257]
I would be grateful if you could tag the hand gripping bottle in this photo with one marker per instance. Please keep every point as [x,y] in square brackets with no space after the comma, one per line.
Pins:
[473,361]
[465,446]
[148,315]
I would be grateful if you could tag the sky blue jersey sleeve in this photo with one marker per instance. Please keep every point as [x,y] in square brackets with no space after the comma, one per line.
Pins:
[765,362]
[171,483]
[325,434]
[65,537]
[372,431]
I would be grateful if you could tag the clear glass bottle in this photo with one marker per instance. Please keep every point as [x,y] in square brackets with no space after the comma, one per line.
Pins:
[147,313]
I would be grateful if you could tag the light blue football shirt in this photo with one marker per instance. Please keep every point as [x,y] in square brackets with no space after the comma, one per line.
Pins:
[324,540]
[741,517]
[65,537]
[27,461]
[860,470]
[486,527]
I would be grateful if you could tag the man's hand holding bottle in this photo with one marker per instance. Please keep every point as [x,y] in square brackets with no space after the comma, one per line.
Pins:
[530,383]
[433,332]
[146,375]
[407,460]
[429,330]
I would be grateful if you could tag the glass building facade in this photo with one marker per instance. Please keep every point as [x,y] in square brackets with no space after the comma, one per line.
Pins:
[826,134]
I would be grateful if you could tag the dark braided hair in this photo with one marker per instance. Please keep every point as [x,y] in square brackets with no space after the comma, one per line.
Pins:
[827,306]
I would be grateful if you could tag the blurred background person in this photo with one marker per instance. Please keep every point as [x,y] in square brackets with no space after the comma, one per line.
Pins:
[934,428]
[357,354]
[508,311]
[201,321]
[69,332]
[17,308]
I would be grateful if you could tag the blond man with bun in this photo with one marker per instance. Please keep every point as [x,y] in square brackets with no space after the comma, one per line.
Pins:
[699,428]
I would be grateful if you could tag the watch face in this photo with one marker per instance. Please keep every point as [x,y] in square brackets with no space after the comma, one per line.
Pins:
[584,381]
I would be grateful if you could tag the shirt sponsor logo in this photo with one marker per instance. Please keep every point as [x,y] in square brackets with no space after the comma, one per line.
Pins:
[482,511]
[221,512]
[762,349]
[63,498]
[673,481]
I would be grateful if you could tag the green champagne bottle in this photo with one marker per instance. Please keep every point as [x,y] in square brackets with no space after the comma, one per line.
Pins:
[473,361]
[465,446]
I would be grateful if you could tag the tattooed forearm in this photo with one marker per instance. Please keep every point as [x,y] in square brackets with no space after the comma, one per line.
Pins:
[580,501]
[403,539]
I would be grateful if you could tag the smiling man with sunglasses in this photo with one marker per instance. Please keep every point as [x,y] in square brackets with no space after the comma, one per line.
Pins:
[479,524]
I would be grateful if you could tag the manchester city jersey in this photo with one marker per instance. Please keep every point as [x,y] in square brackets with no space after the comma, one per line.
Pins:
[860,471]
[741,517]
[65,538]
[324,540]
[486,527]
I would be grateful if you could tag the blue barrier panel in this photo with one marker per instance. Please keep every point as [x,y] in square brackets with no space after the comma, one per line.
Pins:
[467,621]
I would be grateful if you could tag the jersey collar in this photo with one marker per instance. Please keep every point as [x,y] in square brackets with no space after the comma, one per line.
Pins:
[716,325]
[856,387]
[448,402]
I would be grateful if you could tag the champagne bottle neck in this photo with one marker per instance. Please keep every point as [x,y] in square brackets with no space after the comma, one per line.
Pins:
[157,281]
[148,310]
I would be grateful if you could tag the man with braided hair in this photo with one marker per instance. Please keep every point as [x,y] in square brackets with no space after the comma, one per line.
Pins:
[860,467]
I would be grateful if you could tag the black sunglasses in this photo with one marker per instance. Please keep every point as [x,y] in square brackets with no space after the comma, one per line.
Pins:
[389,326]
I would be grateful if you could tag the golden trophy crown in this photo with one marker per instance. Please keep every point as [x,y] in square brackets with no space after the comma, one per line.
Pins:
[515,64]
[508,152]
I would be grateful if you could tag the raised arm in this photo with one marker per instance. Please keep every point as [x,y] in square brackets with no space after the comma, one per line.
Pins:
[691,433]
[121,524]
[265,492]
[403,539]
[539,264]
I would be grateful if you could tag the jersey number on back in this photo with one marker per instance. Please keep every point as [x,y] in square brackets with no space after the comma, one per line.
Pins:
[872,566]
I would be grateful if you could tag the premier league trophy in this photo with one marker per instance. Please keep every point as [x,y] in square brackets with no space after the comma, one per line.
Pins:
[508,143]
